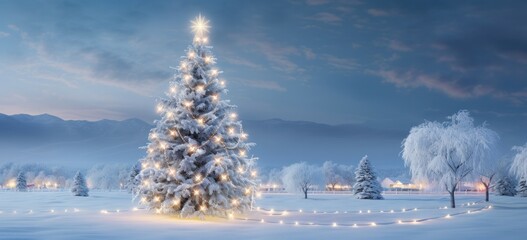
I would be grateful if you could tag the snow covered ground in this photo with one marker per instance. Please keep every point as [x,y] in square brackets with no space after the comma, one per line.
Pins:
[110,215]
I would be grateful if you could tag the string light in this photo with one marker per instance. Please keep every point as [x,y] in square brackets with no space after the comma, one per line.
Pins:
[253,173]
[173,133]
[157,165]
[207,59]
[217,159]
[196,192]
[223,177]
[214,72]
[191,54]
[187,104]
[222,83]
[170,114]
[230,131]
[173,89]
[157,199]
[159,108]
[242,153]
[233,116]
[198,178]
[187,77]
[200,88]
[201,121]
[172,172]
[203,208]
[244,136]
[217,139]
[234,202]
[215,97]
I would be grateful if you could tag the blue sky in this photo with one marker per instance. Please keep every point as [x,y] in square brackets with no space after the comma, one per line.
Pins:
[388,64]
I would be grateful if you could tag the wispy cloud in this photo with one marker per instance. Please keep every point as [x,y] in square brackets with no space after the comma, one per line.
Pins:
[4,34]
[452,88]
[317,2]
[377,12]
[268,85]
[277,54]
[327,17]
[342,63]
[399,46]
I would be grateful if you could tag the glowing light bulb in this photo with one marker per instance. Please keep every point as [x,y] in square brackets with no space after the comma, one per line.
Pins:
[448,216]
[143,200]
[334,224]
[240,170]
[200,26]
[244,136]
[159,108]
[284,213]
[207,59]
[182,65]
[170,114]
[215,98]
[163,145]
[104,211]
[247,190]
[192,149]
[196,192]
[233,116]
[234,202]
[415,221]
[203,208]
[157,165]
[231,215]
[262,221]
[230,131]
[242,153]
[157,199]
[369,211]
[173,89]
[201,121]
[172,172]
[187,104]
[253,173]
[187,77]
[214,72]
[158,210]
[296,223]
[191,54]
[172,133]
[135,209]
[198,177]
[222,83]
[217,139]
[354,225]
[373,224]
[200,88]
[399,221]
[223,177]
[217,159]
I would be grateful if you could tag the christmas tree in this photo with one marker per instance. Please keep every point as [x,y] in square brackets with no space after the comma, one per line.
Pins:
[366,185]
[79,186]
[522,188]
[21,184]
[196,162]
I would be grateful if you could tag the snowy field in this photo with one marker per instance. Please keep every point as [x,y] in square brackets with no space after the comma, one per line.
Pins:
[111,215]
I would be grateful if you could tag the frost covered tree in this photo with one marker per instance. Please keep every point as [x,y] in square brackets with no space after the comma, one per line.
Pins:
[299,177]
[519,162]
[133,180]
[79,186]
[197,160]
[489,171]
[331,174]
[521,190]
[505,186]
[447,153]
[21,183]
[366,185]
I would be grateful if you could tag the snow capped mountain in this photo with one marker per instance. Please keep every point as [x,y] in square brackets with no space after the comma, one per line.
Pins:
[48,139]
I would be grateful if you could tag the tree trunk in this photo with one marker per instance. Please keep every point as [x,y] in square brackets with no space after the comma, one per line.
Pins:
[486,193]
[305,194]
[452,199]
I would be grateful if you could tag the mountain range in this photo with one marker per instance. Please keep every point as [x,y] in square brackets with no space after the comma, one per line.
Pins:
[50,140]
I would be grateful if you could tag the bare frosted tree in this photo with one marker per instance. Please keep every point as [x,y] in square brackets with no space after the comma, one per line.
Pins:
[331,175]
[299,177]
[447,153]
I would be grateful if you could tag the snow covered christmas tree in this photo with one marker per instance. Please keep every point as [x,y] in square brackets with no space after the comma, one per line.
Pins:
[21,183]
[522,188]
[505,186]
[79,186]
[366,186]
[197,160]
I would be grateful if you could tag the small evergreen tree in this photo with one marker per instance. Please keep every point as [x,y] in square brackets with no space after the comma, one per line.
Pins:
[505,186]
[522,188]
[21,183]
[133,180]
[366,185]
[79,186]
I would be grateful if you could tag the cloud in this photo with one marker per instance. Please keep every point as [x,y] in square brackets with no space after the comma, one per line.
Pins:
[317,2]
[452,88]
[341,63]
[237,60]
[268,85]
[327,17]
[399,46]
[308,53]
[4,34]
[377,12]
[277,54]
